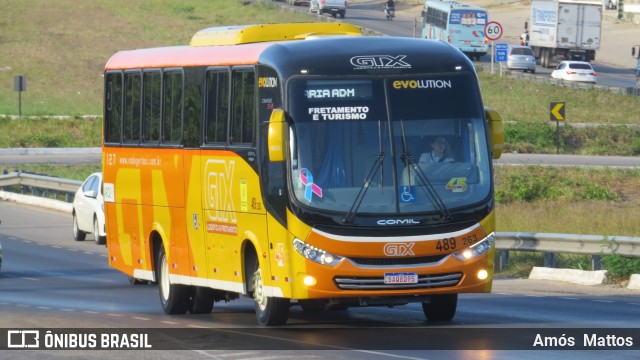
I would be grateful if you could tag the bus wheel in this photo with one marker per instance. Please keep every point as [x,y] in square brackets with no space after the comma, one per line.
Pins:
[441,307]
[173,298]
[269,310]
[201,301]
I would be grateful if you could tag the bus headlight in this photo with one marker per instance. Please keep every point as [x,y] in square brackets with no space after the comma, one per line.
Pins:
[478,249]
[314,254]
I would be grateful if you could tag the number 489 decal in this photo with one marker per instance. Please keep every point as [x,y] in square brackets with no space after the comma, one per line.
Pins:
[457,184]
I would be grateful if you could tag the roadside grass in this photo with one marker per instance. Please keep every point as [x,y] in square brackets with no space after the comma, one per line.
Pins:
[520,100]
[570,200]
[50,132]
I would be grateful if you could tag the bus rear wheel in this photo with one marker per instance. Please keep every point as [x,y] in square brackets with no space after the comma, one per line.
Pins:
[269,310]
[175,299]
[441,307]
[201,300]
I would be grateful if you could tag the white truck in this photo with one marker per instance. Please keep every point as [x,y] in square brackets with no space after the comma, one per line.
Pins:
[564,30]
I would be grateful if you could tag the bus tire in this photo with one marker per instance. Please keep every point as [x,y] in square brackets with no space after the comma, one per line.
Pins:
[441,307]
[78,235]
[269,310]
[201,300]
[173,298]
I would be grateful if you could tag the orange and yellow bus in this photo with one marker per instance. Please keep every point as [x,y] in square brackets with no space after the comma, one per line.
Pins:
[283,162]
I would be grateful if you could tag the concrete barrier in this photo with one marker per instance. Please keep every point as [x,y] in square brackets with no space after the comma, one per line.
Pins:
[580,277]
[634,282]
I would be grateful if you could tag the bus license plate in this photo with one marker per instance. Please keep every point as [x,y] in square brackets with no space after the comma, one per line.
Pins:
[400,278]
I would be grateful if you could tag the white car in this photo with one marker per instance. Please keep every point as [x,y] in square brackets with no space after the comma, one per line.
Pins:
[88,210]
[575,71]
[521,58]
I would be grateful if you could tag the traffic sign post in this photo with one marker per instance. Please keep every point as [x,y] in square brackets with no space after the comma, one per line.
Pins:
[493,31]
[556,113]
[20,85]
[501,54]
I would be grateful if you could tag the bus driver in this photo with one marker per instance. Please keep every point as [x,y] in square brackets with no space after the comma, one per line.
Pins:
[440,152]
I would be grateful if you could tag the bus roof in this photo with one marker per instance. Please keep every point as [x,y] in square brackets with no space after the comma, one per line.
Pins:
[176,56]
[451,5]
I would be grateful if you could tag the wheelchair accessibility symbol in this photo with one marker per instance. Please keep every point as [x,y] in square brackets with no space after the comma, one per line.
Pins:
[407,194]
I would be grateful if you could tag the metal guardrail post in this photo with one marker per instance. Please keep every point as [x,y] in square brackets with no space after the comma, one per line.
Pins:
[502,260]
[596,262]
[549,260]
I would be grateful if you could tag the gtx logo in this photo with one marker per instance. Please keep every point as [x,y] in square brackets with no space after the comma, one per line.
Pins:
[380,62]
[399,249]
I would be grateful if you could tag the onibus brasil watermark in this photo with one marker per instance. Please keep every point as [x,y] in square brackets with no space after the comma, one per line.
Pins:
[48,339]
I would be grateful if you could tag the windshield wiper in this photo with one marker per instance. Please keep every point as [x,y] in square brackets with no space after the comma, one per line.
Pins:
[363,190]
[348,218]
[408,159]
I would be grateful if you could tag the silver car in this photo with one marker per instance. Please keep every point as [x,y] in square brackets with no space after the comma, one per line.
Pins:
[521,58]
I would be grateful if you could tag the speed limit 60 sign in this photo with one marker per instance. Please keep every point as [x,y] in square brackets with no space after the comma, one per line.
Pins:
[493,30]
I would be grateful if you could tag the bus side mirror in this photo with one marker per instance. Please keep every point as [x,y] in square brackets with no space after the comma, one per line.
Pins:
[496,132]
[633,52]
[275,138]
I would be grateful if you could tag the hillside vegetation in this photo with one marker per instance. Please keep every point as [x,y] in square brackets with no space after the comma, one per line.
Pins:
[61,46]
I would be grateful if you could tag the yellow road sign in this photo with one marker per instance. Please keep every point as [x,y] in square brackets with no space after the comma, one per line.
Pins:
[556,111]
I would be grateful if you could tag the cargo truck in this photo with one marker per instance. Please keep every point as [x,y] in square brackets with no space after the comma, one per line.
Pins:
[564,30]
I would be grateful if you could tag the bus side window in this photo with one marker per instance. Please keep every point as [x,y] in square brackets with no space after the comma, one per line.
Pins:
[217,111]
[113,107]
[243,100]
[191,130]
[173,106]
[151,111]
[132,106]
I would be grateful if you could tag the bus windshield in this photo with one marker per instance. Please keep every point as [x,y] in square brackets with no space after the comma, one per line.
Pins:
[392,145]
